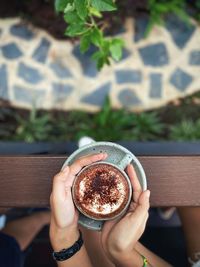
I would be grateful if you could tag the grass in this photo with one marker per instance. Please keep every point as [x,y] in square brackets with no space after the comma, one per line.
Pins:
[176,121]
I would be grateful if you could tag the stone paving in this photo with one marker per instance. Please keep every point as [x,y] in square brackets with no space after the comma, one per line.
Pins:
[36,69]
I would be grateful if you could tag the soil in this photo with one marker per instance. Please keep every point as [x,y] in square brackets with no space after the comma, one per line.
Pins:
[41,13]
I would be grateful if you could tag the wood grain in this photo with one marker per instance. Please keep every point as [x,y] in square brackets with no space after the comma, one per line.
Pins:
[26,181]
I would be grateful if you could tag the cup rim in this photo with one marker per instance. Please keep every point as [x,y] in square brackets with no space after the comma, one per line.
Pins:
[98,144]
[129,186]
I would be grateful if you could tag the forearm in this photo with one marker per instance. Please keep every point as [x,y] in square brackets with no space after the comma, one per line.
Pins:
[132,259]
[61,239]
[152,258]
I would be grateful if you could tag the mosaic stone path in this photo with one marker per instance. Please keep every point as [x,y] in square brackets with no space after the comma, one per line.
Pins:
[36,69]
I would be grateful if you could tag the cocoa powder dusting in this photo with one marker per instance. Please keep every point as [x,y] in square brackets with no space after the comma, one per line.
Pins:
[100,187]
[104,186]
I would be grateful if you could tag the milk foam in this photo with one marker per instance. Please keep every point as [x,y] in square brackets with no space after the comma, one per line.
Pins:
[106,208]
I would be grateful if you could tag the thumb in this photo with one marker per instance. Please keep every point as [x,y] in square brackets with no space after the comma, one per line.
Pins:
[59,182]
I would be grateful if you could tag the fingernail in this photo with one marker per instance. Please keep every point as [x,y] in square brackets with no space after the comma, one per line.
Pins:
[148,193]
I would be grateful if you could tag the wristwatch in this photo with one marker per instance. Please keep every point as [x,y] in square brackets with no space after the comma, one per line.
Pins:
[67,253]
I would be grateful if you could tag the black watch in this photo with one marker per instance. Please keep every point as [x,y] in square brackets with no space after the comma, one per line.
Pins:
[67,253]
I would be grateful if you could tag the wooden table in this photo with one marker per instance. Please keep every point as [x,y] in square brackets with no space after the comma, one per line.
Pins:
[26,181]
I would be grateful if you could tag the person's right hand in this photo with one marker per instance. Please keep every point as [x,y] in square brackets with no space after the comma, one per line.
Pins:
[119,237]
[64,216]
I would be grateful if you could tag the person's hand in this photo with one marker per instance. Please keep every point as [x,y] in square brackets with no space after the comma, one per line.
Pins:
[64,216]
[119,237]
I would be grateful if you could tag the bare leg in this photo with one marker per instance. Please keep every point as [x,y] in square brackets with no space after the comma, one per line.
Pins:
[25,229]
[190,218]
[94,248]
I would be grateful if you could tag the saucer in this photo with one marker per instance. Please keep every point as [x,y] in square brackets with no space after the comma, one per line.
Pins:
[116,154]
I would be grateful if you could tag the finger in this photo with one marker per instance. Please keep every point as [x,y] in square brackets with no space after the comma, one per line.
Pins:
[143,206]
[145,222]
[144,199]
[146,218]
[135,182]
[132,206]
[59,181]
[84,161]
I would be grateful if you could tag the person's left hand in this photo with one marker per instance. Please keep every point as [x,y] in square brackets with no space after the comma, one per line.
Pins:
[120,236]
[64,215]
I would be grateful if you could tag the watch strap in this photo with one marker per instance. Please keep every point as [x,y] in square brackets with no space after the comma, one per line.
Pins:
[67,253]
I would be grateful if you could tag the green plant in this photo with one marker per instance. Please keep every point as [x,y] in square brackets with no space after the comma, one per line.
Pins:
[115,125]
[187,130]
[6,129]
[35,128]
[146,126]
[197,7]
[82,18]
[107,124]
[67,126]
[159,8]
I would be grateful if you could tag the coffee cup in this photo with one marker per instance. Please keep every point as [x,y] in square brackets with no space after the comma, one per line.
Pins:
[102,190]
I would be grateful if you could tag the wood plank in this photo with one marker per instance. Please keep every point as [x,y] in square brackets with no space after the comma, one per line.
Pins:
[27,180]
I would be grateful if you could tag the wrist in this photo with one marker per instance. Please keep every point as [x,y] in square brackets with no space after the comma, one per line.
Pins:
[126,259]
[63,237]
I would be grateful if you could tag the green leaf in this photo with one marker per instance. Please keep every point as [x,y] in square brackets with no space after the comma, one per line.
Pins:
[93,11]
[103,5]
[183,131]
[81,7]
[116,49]
[182,15]
[100,58]
[160,8]
[106,45]
[103,116]
[69,7]
[96,37]
[84,43]
[76,29]
[60,5]
[97,55]
[100,63]
[118,41]
[72,17]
